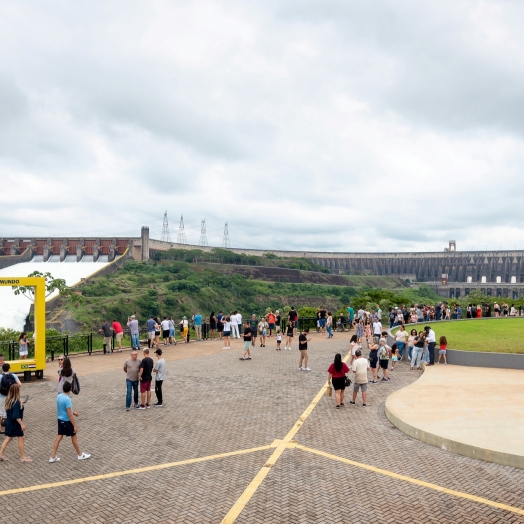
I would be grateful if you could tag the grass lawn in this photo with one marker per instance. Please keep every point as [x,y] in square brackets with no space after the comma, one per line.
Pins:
[499,336]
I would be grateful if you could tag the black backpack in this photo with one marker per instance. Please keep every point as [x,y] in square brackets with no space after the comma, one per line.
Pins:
[7,381]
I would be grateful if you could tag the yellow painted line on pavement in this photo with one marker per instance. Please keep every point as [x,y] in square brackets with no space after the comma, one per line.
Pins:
[285,443]
[422,483]
[131,471]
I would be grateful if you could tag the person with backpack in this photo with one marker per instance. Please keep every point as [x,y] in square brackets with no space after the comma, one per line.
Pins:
[14,424]
[7,379]
[66,374]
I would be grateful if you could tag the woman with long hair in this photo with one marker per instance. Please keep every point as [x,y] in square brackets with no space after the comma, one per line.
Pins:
[66,374]
[14,424]
[23,346]
[157,332]
[337,374]
[289,334]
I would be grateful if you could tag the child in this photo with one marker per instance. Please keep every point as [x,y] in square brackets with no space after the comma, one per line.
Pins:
[279,339]
[367,328]
[442,349]
[394,355]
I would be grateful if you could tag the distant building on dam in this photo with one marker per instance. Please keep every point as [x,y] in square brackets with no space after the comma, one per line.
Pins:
[450,273]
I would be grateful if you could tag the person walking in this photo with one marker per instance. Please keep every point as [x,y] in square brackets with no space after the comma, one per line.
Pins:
[108,336]
[150,331]
[384,354]
[329,324]
[432,341]
[14,423]
[145,377]
[184,327]
[289,334]
[377,330]
[66,424]
[66,374]
[247,342]
[279,339]
[131,368]
[293,317]
[337,374]
[253,326]
[411,343]
[227,332]
[118,330]
[262,331]
[302,346]
[132,324]
[160,373]
[353,346]
[23,346]
[360,368]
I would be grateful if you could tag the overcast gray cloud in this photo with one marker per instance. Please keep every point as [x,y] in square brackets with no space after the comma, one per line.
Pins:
[391,125]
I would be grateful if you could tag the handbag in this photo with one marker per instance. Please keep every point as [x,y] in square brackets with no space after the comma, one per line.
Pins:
[347,382]
[75,385]
[329,390]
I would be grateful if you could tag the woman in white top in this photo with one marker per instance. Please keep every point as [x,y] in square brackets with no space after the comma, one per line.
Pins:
[353,346]
[512,311]
[23,346]
[227,332]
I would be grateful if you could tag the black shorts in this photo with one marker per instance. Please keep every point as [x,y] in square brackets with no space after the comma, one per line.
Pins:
[373,362]
[339,383]
[165,333]
[157,333]
[65,428]
[220,327]
[384,364]
[212,327]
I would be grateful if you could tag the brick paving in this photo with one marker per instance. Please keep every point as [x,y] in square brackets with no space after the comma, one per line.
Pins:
[214,404]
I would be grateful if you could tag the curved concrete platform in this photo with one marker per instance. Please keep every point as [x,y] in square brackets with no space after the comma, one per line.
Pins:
[476,412]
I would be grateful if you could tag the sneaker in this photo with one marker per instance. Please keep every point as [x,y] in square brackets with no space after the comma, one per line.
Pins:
[363,405]
[224,348]
[137,406]
[56,459]
[241,358]
[84,456]
[158,405]
[301,369]
[351,402]
[147,406]
[248,358]
[141,406]
[127,409]
[307,369]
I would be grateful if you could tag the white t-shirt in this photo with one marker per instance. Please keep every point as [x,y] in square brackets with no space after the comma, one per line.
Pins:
[401,336]
[165,325]
[377,328]
[360,367]
[239,319]
[431,336]
[234,319]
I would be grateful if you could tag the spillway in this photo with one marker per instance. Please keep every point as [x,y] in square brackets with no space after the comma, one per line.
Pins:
[14,309]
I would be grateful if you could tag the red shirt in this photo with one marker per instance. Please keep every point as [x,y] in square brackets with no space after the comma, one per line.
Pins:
[117,327]
[338,374]
[271,318]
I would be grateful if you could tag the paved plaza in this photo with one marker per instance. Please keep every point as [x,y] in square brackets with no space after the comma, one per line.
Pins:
[243,441]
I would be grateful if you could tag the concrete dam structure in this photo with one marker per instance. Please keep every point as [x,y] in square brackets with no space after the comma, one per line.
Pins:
[451,273]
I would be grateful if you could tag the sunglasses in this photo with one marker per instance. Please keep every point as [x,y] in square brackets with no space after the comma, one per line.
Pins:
[60,360]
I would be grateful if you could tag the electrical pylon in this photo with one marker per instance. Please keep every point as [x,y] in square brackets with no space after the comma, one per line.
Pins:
[165,230]
[203,235]
[225,242]
[181,239]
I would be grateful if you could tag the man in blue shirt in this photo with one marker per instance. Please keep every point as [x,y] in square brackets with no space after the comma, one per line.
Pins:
[150,331]
[197,321]
[66,423]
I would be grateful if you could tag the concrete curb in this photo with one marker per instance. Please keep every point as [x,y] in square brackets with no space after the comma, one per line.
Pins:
[472,358]
[498,457]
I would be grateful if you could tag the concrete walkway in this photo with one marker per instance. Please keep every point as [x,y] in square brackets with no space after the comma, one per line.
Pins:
[476,412]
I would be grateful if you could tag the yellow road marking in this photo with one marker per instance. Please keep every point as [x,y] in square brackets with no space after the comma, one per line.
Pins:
[131,471]
[429,485]
[285,443]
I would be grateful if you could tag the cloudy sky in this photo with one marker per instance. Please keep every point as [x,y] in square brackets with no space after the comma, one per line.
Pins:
[324,125]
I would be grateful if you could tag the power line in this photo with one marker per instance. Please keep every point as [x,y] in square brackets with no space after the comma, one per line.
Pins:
[165,230]
[203,236]
[225,242]
[181,239]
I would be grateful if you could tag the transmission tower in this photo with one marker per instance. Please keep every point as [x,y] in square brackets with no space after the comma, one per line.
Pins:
[181,239]
[225,242]
[165,230]
[203,236]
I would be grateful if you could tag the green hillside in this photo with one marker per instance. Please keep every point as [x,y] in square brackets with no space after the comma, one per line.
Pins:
[175,288]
